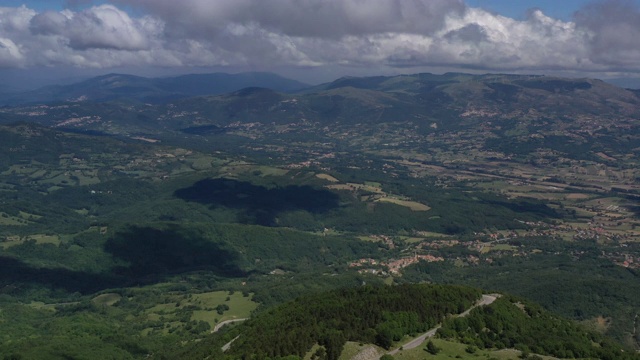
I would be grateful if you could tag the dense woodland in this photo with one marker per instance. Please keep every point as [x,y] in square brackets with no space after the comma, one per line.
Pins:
[381,315]
[515,323]
[567,277]
[148,254]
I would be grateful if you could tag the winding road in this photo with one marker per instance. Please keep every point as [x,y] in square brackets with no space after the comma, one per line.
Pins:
[219,326]
[226,346]
[486,300]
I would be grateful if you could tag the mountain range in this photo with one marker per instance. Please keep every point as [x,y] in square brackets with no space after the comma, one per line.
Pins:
[512,114]
[130,88]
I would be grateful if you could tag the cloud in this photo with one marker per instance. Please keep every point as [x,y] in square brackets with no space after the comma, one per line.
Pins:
[614,28]
[101,27]
[303,18]
[473,33]
[13,23]
[10,54]
[484,40]
[604,36]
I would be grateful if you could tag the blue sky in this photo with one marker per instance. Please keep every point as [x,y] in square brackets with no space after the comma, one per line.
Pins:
[562,9]
[42,5]
[39,5]
[319,40]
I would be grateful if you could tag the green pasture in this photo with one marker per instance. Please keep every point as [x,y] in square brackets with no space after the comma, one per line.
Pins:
[240,307]
[204,306]
[202,163]
[8,220]
[107,299]
[415,206]
[39,238]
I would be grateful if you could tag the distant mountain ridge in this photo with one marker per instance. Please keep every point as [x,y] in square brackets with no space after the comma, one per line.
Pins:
[426,99]
[514,115]
[131,88]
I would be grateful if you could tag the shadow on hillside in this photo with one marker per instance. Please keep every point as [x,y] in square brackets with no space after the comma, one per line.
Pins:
[152,255]
[526,207]
[17,276]
[260,205]
[154,252]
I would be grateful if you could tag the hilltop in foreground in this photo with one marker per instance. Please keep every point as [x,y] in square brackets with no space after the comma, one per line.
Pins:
[319,326]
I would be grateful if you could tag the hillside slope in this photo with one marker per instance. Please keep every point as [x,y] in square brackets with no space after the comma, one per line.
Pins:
[385,315]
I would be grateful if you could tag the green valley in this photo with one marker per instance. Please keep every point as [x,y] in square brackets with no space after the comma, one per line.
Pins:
[131,230]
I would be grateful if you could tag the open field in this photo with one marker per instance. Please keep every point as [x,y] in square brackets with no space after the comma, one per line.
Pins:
[9,220]
[269,171]
[415,206]
[106,299]
[356,187]
[240,307]
[381,195]
[327,177]
[204,306]
[38,238]
[202,163]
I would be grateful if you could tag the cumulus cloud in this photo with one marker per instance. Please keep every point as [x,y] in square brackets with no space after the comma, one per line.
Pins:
[604,36]
[102,27]
[14,23]
[487,41]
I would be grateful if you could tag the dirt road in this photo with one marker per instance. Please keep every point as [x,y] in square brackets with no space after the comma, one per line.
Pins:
[219,326]
[486,300]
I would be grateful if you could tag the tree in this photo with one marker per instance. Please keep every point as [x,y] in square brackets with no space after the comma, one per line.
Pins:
[220,309]
[431,348]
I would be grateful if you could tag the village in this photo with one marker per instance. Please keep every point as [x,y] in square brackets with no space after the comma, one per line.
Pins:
[486,247]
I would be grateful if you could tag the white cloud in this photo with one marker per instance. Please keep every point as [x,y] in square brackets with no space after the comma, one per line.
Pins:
[487,41]
[604,36]
[10,54]
[101,27]
[15,20]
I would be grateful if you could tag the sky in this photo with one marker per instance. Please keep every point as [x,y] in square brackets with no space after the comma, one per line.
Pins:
[46,41]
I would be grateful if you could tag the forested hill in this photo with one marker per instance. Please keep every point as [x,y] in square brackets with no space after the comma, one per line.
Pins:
[515,323]
[321,324]
[367,314]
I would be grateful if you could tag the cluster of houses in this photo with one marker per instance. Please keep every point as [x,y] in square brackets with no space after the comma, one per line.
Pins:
[623,259]
[393,266]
